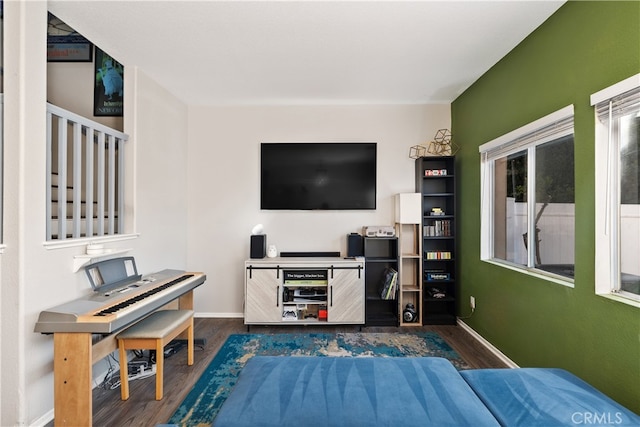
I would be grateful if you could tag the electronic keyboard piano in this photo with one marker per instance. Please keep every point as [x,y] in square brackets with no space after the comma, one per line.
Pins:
[84,329]
[108,311]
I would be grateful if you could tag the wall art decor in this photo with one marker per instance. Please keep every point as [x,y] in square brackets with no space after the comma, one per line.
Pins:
[64,44]
[109,82]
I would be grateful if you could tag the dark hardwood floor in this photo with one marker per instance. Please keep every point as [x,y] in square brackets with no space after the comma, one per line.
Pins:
[143,410]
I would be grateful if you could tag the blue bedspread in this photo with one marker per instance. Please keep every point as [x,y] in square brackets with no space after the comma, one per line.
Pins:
[545,397]
[341,391]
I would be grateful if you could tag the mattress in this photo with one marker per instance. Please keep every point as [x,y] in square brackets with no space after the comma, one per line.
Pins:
[545,397]
[340,391]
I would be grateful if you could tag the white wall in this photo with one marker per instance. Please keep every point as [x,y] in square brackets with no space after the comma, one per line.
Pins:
[224,183]
[34,278]
[159,196]
[24,73]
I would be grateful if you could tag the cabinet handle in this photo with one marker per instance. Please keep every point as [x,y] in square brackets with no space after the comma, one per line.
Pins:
[277,296]
[331,292]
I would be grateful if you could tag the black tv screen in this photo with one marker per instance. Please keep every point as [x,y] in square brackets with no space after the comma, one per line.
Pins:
[322,176]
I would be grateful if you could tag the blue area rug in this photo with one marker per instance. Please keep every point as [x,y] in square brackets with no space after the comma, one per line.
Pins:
[203,402]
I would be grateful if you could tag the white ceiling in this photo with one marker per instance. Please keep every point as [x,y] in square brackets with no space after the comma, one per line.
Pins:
[308,52]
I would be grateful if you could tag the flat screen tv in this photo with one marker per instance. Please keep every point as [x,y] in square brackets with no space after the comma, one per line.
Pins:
[320,176]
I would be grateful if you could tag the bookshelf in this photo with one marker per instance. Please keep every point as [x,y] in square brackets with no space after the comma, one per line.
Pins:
[435,181]
[408,224]
[380,254]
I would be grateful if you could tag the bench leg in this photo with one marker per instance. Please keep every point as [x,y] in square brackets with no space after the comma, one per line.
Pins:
[190,343]
[124,372]
[149,343]
[159,368]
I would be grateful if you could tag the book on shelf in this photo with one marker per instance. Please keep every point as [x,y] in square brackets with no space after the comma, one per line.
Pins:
[438,228]
[389,283]
[435,255]
[435,172]
[433,276]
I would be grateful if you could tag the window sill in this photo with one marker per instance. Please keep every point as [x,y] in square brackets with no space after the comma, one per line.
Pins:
[70,243]
[540,274]
[83,259]
[619,298]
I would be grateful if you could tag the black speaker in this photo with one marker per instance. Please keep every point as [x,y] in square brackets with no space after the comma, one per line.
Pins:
[258,245]
[410,314]
[355,245]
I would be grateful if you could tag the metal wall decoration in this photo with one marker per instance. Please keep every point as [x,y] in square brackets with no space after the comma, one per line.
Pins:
[442,145]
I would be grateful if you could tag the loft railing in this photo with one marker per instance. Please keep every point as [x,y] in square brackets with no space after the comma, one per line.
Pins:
[85,177]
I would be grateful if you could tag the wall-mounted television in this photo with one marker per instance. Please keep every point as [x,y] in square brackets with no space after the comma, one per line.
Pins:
[318,176]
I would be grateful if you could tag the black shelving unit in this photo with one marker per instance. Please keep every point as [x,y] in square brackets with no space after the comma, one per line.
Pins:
[379,254]
[435,180]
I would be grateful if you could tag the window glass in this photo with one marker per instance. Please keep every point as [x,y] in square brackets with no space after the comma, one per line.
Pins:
[555,207]
[554,215]
[629,131]
[510,208]
[629,159]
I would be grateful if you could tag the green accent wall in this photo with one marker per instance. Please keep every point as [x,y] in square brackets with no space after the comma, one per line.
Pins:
[581,49]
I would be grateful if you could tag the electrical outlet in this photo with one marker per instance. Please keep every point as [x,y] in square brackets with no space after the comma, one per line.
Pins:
[472,302]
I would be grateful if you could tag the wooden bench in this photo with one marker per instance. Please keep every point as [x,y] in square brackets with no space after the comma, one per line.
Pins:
[153,333]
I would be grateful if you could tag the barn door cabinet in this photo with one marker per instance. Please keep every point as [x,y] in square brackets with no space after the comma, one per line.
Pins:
[304,291]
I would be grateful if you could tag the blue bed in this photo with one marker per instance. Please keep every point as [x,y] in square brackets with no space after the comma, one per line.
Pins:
[545,397]
[344,391]
[405,391]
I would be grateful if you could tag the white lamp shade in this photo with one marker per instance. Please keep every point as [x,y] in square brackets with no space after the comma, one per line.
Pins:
[409,208]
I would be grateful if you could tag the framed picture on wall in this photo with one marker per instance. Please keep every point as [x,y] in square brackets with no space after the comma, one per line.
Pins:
[64,44]
[108,88]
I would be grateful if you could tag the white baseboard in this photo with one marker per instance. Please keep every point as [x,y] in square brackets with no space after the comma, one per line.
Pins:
[220,315]
[500,355]
[43,420]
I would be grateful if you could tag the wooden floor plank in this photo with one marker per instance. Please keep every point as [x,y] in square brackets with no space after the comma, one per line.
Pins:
[143,410]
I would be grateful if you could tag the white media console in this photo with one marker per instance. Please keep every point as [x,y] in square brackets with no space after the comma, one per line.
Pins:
[304,290]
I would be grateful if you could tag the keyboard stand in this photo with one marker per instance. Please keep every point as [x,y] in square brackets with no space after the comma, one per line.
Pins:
[73,358]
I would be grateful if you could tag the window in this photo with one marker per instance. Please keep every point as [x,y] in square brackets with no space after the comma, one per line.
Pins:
[528,204]
[618,189]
